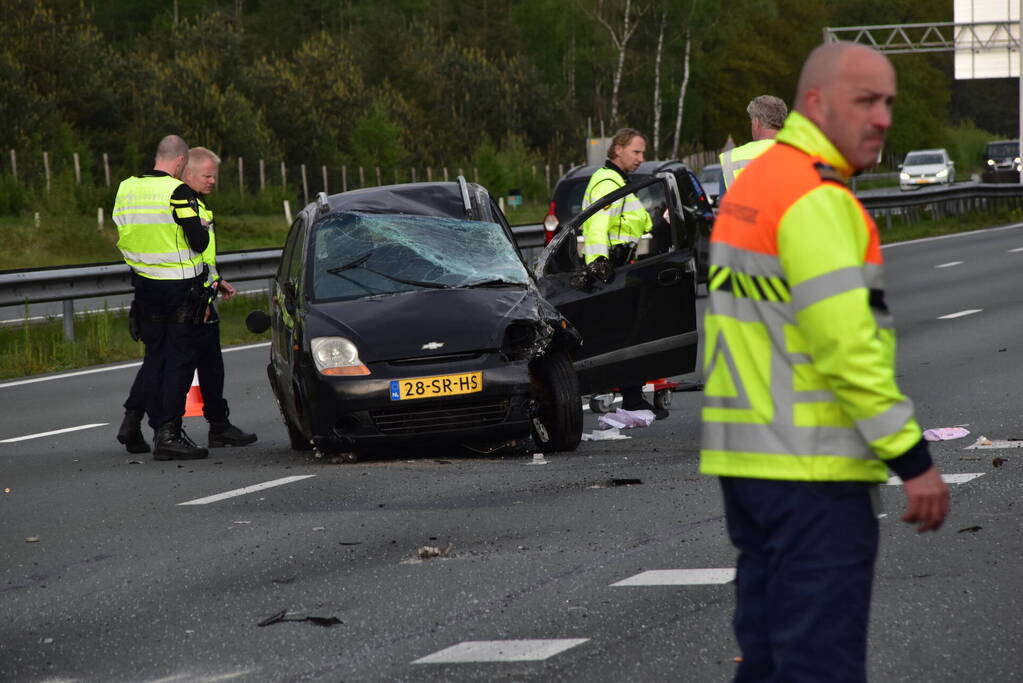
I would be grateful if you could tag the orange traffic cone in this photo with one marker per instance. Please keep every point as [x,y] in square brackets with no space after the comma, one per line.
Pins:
[193,402]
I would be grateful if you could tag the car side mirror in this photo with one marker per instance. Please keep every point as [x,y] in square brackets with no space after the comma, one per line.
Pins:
[951,163]
[900,167]
[257,321]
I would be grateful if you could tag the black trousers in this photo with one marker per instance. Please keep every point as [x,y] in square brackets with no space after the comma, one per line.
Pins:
[171,351]
[805,573]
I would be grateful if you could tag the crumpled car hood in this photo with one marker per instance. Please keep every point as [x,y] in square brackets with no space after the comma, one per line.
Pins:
[400,326]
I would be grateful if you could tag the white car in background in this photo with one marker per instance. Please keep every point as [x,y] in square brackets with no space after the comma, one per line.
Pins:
[926,167]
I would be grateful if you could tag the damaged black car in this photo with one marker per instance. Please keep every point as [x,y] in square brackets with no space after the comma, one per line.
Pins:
[406,314]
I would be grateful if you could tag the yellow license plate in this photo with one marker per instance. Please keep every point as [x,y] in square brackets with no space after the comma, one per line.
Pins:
[441,385]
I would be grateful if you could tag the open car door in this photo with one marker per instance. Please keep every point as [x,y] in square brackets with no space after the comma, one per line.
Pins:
[640,326]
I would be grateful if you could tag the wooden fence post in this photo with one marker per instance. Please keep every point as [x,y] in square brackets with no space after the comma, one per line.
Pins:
[475,175]
[106,168]
[46,166]
[241,175]
[379,181]
[287,211]
[344,179]
[445,174]
[262,175]
[99,219]
[362,177]
[14,165]
[305,185]
[78,169]
[324,169]
[413,174]
[284,177]
[429,174]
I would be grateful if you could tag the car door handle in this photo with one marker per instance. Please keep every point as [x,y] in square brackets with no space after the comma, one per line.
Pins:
[669,276]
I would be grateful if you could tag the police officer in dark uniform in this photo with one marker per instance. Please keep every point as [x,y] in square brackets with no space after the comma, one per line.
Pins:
[162,239]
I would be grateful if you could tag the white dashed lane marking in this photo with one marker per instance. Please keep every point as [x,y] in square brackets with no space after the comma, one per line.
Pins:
[960,314]
[1017,249]
[949,264]
[55,431]
[680,577]
[247,489]
[474,651]
[947,478]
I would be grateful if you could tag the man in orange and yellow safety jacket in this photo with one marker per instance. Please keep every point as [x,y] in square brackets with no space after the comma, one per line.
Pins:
[802,417]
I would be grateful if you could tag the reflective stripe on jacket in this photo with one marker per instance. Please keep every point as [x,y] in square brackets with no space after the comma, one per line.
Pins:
[209,255]
[799,353]
[623,222]
[737,158]
[152,243]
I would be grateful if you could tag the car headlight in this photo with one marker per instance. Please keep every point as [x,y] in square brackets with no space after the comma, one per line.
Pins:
[903,176]
[337,356]
[990,162]
[943,173]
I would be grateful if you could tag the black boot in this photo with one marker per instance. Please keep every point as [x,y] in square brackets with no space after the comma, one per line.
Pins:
[173,444]
[130,433]
[223,433]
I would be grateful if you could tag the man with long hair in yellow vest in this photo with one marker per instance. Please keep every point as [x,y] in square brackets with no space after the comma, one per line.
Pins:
[611,235]
[802,417]
[162,239]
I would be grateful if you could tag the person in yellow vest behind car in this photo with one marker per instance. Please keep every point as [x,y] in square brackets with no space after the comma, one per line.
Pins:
[802,416]
[612,234]
[766,115]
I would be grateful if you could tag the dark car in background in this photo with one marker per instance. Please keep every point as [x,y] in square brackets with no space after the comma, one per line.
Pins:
[567,200]
[405,315]
[1001,162]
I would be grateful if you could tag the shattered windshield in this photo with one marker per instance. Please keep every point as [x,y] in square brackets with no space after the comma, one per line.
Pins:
[357,255]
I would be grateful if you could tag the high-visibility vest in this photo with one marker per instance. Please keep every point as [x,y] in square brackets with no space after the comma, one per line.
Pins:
[150,241]
[209,255]
[622,222]
[799,359]
[737,158]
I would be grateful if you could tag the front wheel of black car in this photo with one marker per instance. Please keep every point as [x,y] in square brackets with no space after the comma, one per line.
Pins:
[295,438]
[558,424]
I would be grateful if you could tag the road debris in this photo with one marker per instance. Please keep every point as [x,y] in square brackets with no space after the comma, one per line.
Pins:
[945,433]
[281,616]
[998,462]
[538,459]
[625,419]
[971,529]
[32,539]
[428,552]
[984,442]
[613,434]
[624,482]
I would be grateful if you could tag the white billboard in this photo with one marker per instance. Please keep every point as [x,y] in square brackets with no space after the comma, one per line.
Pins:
[988,46]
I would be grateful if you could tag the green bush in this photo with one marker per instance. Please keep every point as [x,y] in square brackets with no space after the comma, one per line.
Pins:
[967,145]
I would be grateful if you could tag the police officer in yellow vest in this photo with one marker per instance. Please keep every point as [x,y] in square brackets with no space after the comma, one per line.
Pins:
[766,115]
[802,416]
[162,239]
[201,175]
[611,235]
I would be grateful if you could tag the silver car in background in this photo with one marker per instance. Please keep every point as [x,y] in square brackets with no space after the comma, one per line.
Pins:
[926,167]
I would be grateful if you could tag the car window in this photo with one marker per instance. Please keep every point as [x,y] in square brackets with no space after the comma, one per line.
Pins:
[568,197]
[923,159]
[710,174]
[1005,149]
[289,249]
[357,255]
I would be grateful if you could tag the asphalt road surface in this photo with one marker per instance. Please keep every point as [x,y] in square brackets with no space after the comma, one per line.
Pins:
[607,564]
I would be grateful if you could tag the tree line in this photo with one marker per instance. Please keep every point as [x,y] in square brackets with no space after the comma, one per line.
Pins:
[506,86]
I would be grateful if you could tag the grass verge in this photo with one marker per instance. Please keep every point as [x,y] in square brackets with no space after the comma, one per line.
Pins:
[37,348]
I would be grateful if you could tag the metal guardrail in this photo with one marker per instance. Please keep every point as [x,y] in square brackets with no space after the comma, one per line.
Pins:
[81,282]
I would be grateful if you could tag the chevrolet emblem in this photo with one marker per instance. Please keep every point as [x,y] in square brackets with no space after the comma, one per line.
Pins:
[431,346]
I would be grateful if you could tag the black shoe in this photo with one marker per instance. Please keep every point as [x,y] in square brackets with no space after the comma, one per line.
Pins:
[643,404]
[226,434]
[130,433]
[173,444]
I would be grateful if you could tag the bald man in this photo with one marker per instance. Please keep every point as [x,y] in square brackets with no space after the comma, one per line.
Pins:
[802,417]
